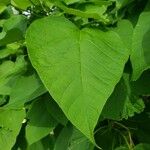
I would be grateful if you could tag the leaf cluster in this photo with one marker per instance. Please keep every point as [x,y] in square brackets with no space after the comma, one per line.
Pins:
[74,74]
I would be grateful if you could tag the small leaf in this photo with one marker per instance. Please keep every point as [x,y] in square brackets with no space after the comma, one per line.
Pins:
[40,124]
[123,102]
[142,146]
[62,141]
[23,4]
[72,139]
[10,125]
[13,30]
[25,89]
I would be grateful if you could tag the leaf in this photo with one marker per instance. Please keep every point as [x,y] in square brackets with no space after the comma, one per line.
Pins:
[84,14]
[41,123]
[47,143]
[2,8]
[9,76]
[142,85]
[23,4]
[10,125]
[98,10]
[78,141]
[122,148]
[122,3]
[72,139]
[142,122]
[140,45]
[9,50]
[13,68]
[25,89]
[125,31]
[142,146]
[123,102]
[13,29]
[68,2]
[4,2]
[62,141]
[80,75]
[55,111]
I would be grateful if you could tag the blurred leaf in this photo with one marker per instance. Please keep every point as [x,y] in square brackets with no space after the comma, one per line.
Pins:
[10,125]
[72,139]
[23,4]
[41,123]
[125,35]
[142,146]
[55,111]
[2,7]
[142,85]
[13,68]
[13,29]
[9,50]
[62,141]
[140,46]
[47,143]
[123,103]
[4,2]
[25,89]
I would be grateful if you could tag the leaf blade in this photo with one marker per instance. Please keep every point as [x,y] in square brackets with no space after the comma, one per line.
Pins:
[68,70]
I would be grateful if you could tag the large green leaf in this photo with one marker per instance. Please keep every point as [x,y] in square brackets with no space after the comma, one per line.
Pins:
[80,68]
[141,47]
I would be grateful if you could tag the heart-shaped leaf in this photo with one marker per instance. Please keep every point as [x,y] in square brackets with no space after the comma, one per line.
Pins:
[80,68]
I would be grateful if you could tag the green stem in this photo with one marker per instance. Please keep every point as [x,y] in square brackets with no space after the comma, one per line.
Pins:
[79,13]
[128,131]
[126,141]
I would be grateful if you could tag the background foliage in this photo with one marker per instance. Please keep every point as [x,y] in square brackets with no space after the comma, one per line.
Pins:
[74,74]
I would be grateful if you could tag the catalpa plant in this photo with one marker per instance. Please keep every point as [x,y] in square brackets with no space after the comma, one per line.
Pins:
[74,74]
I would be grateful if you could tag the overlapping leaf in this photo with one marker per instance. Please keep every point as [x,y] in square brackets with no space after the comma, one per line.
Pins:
[140,46]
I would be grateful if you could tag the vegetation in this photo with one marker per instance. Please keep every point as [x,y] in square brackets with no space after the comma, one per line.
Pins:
[74,74]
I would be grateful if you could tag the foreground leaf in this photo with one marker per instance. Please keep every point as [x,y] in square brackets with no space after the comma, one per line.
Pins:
[80,68]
